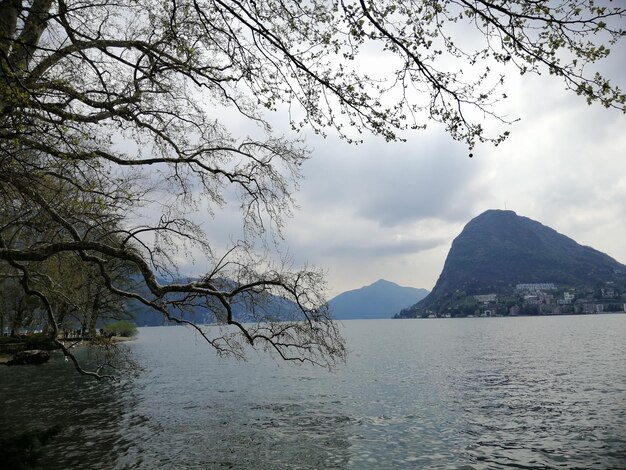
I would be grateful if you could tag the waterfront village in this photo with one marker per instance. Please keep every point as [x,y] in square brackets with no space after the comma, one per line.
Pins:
[538,299]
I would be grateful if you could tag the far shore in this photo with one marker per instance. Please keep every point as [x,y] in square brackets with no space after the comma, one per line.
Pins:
[6,357]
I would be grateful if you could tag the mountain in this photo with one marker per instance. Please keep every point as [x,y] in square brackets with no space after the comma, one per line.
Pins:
[499,249]
[246,307]
[379,300]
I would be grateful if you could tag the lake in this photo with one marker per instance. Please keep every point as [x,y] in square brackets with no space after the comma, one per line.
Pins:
[475,393]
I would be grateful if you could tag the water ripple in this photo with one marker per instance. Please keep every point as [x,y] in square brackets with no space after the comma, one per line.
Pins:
[468,394]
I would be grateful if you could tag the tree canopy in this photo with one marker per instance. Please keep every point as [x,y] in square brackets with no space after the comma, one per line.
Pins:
[119,119]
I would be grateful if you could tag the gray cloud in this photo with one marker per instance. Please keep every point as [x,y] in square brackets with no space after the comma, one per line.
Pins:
[392,210]
[381,210]
[393,183]
[384,249]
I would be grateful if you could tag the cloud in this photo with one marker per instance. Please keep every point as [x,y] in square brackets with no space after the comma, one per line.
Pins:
[392,183]
[341,235]
[392,210]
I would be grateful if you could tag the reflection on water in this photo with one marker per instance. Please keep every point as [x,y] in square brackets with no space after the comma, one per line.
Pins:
[92,416]
[469,393]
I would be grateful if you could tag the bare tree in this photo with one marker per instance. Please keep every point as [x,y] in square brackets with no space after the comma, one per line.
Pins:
[111,107]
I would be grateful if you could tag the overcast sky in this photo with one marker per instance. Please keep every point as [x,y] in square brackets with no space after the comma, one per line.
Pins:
[391,211]
[381,210]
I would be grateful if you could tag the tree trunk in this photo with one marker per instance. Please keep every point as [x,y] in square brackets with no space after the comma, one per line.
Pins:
[34,27]
[8,22]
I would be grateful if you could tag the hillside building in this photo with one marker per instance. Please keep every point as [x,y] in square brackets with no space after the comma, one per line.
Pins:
[535,287]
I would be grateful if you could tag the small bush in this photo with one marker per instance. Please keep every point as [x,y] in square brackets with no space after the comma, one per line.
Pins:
[9,339]
[126,329]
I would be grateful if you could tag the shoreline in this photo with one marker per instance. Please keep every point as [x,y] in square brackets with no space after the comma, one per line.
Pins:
[7,356]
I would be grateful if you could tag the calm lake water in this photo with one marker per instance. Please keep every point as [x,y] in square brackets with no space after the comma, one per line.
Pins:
[545,392]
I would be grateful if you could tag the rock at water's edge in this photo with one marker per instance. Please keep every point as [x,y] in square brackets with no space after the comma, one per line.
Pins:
[28,357]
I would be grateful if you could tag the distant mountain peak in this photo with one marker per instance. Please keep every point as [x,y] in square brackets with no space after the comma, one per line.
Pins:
[380,299]
[383,282]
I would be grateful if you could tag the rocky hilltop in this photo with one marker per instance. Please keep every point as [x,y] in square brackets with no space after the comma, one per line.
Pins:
[498,250]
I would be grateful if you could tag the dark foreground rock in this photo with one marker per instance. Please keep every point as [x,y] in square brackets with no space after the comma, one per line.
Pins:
[22,358]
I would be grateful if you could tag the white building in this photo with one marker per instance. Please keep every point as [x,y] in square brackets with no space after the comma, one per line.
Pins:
[535,287]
